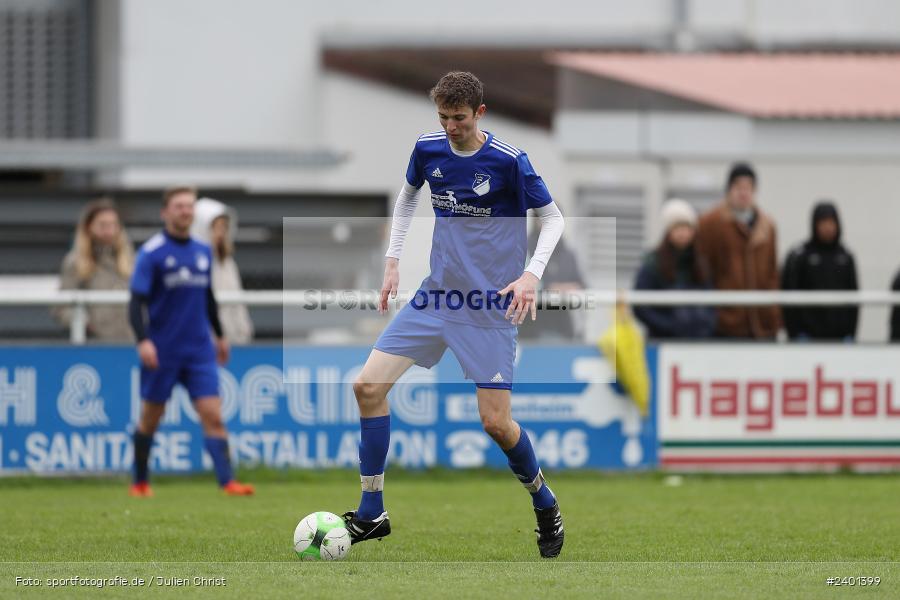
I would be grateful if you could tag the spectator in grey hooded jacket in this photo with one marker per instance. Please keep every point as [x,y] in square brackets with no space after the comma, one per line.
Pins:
[215,224]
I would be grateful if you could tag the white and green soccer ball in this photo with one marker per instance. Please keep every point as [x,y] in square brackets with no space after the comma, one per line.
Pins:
[321,536]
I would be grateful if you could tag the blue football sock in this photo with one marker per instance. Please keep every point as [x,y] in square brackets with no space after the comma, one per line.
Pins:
[524,464]
[373,448]
[142,445]
[218,451]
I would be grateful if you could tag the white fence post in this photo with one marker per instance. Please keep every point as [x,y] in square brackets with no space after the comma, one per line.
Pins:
[78,326]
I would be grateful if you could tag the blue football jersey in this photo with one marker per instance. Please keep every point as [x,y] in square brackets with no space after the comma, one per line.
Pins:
[479,241]
[175,275]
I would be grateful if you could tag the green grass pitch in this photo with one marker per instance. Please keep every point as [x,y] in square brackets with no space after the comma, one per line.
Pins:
[461,535]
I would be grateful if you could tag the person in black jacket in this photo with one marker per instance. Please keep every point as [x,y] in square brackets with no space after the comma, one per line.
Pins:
[895,311]
[822,263]
[674,265]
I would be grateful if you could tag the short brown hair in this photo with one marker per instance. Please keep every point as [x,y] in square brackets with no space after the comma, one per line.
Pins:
[458,88]
[174,191]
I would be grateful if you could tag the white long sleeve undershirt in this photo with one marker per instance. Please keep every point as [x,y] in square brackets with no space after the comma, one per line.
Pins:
[552,226]
[404,209]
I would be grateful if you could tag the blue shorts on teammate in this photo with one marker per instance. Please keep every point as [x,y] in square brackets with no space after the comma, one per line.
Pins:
[200,379]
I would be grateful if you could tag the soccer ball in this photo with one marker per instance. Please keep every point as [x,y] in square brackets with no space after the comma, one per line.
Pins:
[321,536]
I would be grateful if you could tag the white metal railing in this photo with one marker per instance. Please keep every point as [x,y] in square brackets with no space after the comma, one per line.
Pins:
[79,300]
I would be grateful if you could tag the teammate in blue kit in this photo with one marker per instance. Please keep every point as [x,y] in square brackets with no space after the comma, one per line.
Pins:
[478,291]
[171,285]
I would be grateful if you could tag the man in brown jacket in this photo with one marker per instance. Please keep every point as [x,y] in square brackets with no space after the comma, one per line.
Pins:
[738,241]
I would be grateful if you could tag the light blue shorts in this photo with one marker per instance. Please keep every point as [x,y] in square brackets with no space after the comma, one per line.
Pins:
[486,355]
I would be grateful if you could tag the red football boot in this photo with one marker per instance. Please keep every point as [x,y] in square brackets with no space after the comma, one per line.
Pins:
[140,490]
[236,488]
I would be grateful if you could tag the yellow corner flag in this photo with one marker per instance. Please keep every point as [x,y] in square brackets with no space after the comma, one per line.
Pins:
[623,344]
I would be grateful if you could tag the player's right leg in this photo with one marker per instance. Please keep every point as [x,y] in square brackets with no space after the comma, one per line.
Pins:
[151,414]
[371,388]
[156,388]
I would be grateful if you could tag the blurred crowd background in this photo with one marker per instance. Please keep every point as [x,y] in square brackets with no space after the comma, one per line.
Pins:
[738,144]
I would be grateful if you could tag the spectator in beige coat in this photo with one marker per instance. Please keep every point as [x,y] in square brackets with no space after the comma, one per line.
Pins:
[215,224]
[102,259]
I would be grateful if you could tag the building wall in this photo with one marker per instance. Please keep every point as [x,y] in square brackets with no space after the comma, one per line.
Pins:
[775,23]
[247,73]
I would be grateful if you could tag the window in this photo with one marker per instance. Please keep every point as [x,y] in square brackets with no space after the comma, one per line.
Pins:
[45,75]
[611,248]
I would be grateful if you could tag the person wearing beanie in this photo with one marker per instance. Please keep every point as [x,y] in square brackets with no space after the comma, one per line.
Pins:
[738,241]
[821,263]
[674,265]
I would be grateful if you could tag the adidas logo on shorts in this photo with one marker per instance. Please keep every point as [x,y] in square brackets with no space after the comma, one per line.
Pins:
[498,378]
[437,173]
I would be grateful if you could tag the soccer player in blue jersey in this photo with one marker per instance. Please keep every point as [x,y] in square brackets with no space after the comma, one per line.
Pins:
[171,285]
[478,291]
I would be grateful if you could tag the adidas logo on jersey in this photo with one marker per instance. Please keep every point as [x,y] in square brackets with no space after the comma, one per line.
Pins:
[437,173]
[498,378]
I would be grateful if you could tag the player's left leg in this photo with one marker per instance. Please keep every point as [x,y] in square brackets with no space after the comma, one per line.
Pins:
[215,439]
[201,379]
[494,406]
[487,356]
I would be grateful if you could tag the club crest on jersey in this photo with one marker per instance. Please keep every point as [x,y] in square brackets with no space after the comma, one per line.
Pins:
[170,261]
[482,184]
[202,262]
